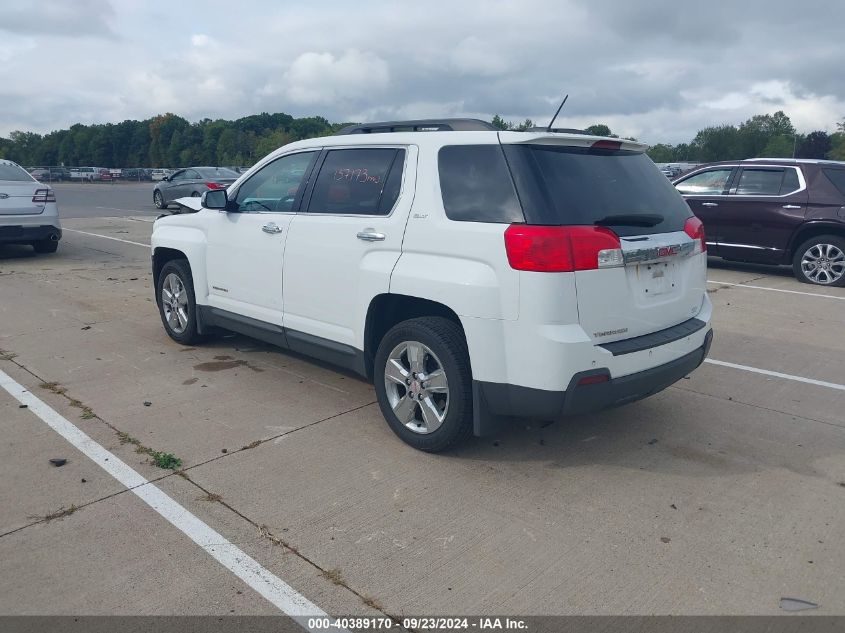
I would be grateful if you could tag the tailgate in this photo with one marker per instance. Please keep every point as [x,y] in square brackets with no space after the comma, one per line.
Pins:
[661,285]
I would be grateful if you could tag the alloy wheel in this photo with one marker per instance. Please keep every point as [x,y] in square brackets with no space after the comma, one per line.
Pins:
[417,387]
[174,301]
[823,263]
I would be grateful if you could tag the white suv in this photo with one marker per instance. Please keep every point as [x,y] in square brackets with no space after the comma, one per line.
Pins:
[475,276]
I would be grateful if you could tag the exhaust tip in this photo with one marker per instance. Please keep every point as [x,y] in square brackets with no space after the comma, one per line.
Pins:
[54,237]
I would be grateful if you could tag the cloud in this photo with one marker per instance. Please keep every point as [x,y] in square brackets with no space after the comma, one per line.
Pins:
[58,18]
[324,79]
[659,71]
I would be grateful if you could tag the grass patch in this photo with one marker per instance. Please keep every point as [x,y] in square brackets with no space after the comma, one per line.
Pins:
[55,387]
[7,355]
[264,532]
[165,460]
[333,575]
[58,514]
[254,444]
[372,603]
[211,496]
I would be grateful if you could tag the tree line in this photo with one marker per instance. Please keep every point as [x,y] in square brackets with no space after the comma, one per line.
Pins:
[761,136]
[168,140]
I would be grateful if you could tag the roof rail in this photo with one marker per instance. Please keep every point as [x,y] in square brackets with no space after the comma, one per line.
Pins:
[420,125]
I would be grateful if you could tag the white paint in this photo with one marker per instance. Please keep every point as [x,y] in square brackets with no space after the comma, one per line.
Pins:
[792,292]
[107,237]
[776,374]
[270,586]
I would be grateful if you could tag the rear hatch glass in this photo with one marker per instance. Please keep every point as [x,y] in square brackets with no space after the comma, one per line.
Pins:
[563,185]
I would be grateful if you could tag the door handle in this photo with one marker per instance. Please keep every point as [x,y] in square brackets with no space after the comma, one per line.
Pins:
[370,235]
[271,227]
[792,206]
[709,204]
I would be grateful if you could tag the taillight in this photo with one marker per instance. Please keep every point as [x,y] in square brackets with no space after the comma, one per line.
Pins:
[560,249]
[44,195]
[695,229]
[215,185]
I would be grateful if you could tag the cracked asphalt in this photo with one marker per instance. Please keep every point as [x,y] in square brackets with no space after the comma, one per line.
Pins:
[720,495]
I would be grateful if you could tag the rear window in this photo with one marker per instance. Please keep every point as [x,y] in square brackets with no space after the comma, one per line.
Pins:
[837,177]
[476,186]
[560,185]
[14,173]
[217,172]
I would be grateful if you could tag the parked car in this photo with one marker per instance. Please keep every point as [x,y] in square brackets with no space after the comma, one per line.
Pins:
[86,174]
[774,211]
[671,171]
[473,275]
[40,173]
[28,211]
[192,181]
[59,174]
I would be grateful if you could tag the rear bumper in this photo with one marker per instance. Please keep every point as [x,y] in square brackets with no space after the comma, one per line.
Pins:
[496,402]
[17,234]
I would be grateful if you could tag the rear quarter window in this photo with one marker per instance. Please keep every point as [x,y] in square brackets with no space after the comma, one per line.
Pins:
[837,177]
[476,186]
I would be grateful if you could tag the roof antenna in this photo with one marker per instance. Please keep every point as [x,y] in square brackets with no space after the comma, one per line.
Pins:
[549,129]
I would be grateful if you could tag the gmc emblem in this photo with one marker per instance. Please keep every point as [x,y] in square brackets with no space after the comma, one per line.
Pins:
[667,251]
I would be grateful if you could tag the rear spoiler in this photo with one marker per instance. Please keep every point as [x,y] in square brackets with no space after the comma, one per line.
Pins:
[569,139]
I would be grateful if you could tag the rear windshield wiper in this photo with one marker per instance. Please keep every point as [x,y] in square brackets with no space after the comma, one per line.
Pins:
[630,219]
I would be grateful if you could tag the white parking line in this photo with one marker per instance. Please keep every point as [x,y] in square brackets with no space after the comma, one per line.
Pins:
[792,292]
[107,237]
[776,374]
[267,584]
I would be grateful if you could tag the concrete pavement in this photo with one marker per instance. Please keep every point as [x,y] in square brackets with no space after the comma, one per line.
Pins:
[718,496]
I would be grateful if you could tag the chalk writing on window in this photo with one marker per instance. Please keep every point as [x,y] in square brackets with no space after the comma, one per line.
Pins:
[360,175]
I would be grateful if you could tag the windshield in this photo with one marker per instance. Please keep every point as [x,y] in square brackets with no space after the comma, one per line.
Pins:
[217,172]
[14,173]
[620,189]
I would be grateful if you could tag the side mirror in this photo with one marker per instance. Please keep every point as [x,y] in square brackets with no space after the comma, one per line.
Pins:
[215,199]
[165,178]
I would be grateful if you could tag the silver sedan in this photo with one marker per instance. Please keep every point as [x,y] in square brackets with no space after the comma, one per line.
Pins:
[192,181]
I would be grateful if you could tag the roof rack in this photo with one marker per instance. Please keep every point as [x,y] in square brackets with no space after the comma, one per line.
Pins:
[420,125]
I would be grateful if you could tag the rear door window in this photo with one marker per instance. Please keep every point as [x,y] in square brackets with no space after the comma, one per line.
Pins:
[358,181]
[620,189]
[760,182]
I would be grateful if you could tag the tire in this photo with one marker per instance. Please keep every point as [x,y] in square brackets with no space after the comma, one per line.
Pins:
[181,325]
[821,261]
[449,413]
[45,246]
[158,200]
[195,194]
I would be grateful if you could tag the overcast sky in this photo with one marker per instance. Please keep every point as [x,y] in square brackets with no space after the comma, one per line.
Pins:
[655,70]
